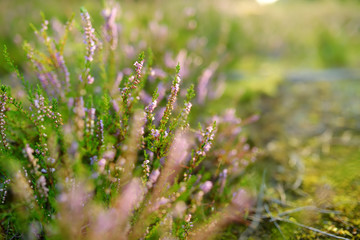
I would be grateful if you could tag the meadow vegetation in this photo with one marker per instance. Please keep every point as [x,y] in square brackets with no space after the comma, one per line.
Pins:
[134,122]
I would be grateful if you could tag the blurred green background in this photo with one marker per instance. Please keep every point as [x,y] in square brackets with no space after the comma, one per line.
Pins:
[294,62]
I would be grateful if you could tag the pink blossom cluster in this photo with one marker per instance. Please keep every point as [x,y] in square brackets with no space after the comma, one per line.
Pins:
[149,110]
[110,27]
[146,167]
[38,117]
[174,91]
[42,186]
[63,67]
[46,76]
[45,111]
[89,79]
[155,133]
[4,191]
[171,100]
[100,134]
[44,26]
[187,109]
[206,186]
[153,177]
[91,44]
[89,36]
[138,68]
[3,100]
[208,137]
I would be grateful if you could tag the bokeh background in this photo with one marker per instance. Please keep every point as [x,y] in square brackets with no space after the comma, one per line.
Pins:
[295,63]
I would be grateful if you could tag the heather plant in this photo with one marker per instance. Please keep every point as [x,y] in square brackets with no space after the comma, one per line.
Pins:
[88,154]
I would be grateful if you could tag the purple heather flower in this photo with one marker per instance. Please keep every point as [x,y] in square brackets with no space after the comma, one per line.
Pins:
[146,167]
[91,44]
[204,80]
[154,176]
[171,100]
[110,27]
[222,179]
[155,133]
[206,186]
[61,63]
[230,116]
[206,140]
[3,99]
[182,59]
[138,69]
[162,91]
[150,108]
[42,186]
[115,106]
[101,164]
[109,155]
[242,200]
[89,36]
[44,26]
[162,201]
[207,147]
[156,73]
[200,153]
[188,218]
[187,109]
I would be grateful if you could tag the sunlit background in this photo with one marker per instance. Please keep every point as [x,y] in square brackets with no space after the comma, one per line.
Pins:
[266,2]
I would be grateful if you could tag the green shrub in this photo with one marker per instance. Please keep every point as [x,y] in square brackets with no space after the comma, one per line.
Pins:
[90,155]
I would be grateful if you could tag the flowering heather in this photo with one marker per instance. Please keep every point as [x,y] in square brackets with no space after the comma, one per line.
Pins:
[110,26]
[202,89]
[93,160]
[63,67]
[4,99]
[89,36]
[90,41]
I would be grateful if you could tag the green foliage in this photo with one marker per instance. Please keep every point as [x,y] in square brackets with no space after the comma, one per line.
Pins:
[78,148]
[120,125]
[332,51]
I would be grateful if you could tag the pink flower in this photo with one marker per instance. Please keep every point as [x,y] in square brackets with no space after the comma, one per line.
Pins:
[206,186]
